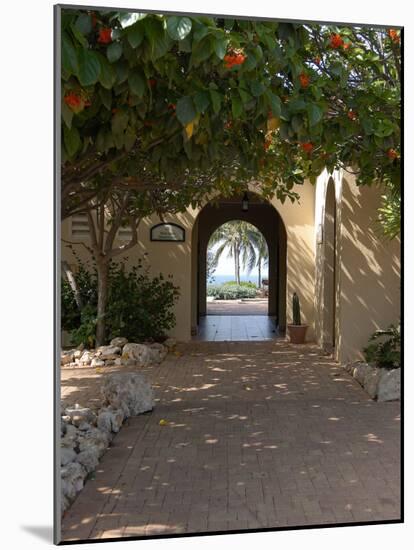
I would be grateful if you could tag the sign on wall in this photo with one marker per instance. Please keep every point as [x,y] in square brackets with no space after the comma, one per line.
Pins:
[167,232]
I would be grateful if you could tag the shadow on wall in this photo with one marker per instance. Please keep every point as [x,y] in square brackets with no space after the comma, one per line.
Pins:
[370,271]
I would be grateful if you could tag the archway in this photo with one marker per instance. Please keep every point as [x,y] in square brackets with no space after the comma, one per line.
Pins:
[267,220]
[329,268]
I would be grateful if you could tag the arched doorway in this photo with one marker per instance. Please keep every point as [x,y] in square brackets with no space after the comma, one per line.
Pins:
[267,220]
[329,268]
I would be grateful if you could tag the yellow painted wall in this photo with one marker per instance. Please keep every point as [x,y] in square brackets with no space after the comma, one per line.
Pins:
[368,268]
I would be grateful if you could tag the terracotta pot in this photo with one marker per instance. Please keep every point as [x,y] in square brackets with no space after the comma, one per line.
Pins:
[297,333]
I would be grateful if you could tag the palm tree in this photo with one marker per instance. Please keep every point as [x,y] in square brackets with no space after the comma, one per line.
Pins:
[262,253]
[238,238]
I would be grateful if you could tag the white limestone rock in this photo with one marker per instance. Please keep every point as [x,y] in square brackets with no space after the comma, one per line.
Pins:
[80,414]
[389,385]
[119,341]
[157,352]
[94,438]
[67,455]
[86,358]
[128,391]
[110,419]
[66,357]
[77,354]
[360,372]
[170,343]
[97,362]
[108,352]
[140,353]
[371,382]
[72,478]
[89,458]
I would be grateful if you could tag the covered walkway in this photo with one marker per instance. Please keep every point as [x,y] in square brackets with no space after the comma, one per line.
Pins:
[257,435]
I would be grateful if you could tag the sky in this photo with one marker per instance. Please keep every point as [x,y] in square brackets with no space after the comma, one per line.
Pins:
[226,267]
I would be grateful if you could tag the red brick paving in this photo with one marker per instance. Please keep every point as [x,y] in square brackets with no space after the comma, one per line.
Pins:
[259,435]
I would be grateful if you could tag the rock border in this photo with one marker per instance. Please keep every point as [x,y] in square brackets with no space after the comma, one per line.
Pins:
[118,352]
[380,383]
[86,435]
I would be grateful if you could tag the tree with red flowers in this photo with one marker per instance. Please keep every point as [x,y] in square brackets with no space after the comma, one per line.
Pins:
[167,108]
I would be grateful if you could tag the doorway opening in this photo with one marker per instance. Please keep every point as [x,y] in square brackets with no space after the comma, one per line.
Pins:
[244,298]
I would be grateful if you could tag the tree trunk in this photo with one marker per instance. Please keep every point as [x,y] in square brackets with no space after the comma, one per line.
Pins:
[237,263]
[72,282]
[103,277]
[260,271]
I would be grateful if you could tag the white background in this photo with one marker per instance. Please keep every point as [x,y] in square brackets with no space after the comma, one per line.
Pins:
[26,267]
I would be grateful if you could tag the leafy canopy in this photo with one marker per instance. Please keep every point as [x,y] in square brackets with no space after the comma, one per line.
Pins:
[169,96]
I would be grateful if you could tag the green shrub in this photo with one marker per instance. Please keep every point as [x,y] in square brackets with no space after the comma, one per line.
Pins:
[247,284]
[385,352]
[230,292]
[139,307]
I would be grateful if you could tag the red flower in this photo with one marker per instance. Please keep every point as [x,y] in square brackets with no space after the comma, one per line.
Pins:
[346,45]
[393,34]
[307,146]
[152,82]
[336,41]
[172,106]
[351,114]
[74,101]
[392,154]
[228,124]
[304,80]
[317,60]
[266,145]
[105,36]
[231,60]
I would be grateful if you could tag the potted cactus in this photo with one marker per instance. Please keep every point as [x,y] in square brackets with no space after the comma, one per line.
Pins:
[297,330]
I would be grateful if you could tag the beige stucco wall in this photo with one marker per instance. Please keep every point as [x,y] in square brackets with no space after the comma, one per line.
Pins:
[367,267]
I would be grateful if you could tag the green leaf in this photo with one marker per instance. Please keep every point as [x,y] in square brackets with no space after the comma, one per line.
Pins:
[72,140]
[245,96]
[236,105]
[201,101]
[129,19]
[107,76]
[119,122]
[121,70]
[106,98]
[201,51]
[220,47]
[135,35]
[67,115]
[257,88]
[178,27]
[84,23]
[68,53]
[315,114]
[89,67]
[274,103]
[136,83]
[114,52]
[79,36]
[130,138]
[185,110]
[216,100]
[159,40]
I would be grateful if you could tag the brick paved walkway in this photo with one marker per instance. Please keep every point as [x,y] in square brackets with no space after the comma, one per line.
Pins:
[258,435]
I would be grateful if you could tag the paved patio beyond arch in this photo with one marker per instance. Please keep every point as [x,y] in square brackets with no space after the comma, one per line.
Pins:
[257,435]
